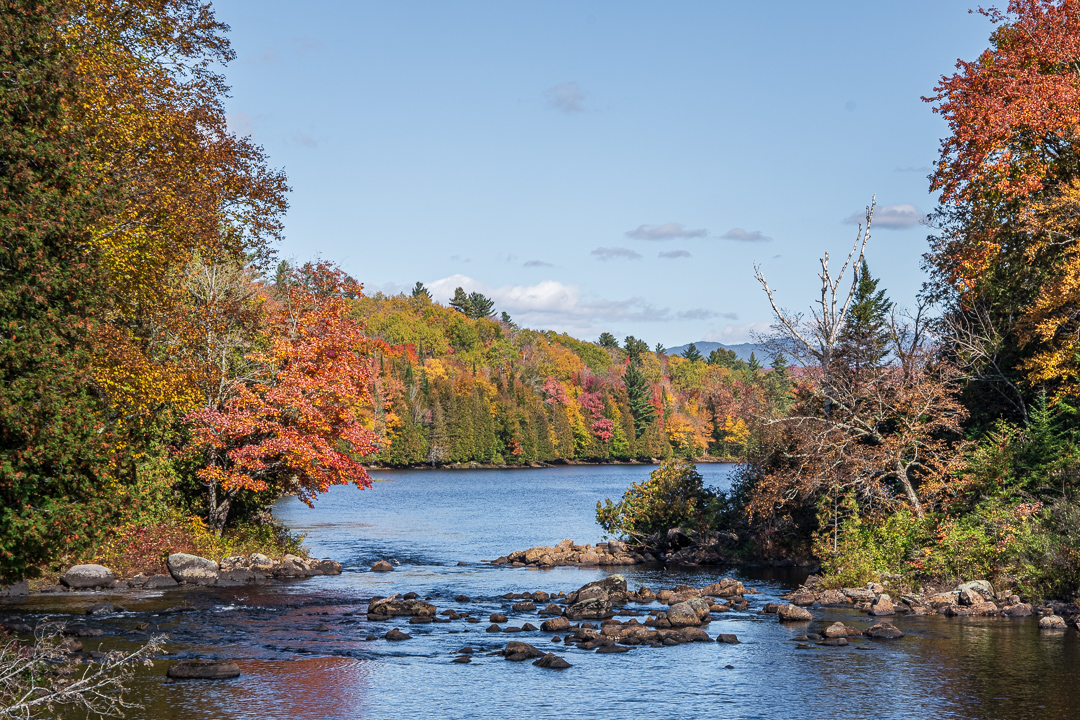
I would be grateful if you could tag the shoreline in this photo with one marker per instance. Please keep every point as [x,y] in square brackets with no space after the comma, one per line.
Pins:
[546,465]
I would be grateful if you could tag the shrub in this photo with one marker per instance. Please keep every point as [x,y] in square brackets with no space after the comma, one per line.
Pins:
[673,496]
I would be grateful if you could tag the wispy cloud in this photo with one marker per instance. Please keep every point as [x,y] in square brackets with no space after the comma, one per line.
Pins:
[673,254]
[459,258]
[667,231]
[566,97]
[537,264]
[615,253]
[703,314]
[739,235]
[301,138]
[730,334]
[553,305]
[889,217]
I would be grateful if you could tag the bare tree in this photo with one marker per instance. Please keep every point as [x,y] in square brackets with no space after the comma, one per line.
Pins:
[41,680]
[864,429]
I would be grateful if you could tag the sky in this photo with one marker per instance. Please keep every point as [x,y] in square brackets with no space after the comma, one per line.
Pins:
[601,166]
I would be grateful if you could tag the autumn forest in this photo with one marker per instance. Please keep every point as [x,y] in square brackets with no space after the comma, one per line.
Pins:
[164,375]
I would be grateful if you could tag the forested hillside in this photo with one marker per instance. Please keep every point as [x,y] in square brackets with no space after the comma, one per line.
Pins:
[452,388]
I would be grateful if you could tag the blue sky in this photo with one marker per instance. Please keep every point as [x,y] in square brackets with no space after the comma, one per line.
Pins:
[601,166]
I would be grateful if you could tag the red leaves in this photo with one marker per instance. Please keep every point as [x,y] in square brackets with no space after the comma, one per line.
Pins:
[301,427]
[1015,112]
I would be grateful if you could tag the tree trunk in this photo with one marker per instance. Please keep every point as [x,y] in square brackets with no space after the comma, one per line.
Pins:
[909,489]
[218,512]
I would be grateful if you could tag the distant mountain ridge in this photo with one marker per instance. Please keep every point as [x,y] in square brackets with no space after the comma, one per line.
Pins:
[742,350]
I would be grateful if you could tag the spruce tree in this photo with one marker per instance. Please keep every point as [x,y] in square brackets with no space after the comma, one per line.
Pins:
[638,388]
[57,450]
[692,353]
[863,342]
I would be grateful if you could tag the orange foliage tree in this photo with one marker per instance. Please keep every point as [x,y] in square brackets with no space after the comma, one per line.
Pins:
[301,425]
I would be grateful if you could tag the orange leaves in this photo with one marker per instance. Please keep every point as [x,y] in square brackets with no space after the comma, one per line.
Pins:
[1015,112]
[300,426]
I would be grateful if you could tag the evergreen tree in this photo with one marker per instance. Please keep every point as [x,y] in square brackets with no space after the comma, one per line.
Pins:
[864,340]
[723,357]
[660,349]
[460,301]
[753,365]
[778,385]
[480,306]
[56,444]
[692,353]
[638,388]
[607,340]
[420,291]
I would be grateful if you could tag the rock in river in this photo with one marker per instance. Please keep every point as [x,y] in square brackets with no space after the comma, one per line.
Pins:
[204,670]
[394,607]
[591,609]
[555,624]
[518,651]
[688,612]
[793,613]
[552,662]
[882,606]
[1052,622]
[884,631]
[382,566]
[396,635]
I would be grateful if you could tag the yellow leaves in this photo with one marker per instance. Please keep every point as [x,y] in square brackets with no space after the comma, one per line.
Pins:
[437,369]
[736,431]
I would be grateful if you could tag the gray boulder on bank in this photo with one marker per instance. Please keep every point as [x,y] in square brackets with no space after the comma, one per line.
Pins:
[19,589]
[88,576]
[1053,622]
[192,569]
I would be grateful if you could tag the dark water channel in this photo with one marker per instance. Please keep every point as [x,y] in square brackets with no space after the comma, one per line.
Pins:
[302,650]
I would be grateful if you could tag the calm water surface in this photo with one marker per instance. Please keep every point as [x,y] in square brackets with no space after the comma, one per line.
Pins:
[302,651]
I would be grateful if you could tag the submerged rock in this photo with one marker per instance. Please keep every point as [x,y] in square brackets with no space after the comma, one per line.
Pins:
[884,631]
[203,670]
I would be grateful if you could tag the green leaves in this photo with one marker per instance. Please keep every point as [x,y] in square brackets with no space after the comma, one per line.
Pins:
[673,496]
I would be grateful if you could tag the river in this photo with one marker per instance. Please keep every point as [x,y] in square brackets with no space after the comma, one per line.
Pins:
[301,645]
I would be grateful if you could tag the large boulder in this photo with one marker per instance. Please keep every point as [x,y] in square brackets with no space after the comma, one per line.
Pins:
[793,613]
[395,606]
[192,569]
[688,612]
[88,576]
[612,589]
[1018,610]
[883,605]
[980,586]
[591,609]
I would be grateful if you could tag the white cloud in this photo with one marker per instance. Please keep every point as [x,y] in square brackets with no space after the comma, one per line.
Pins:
[703,314]
[615,253]
[553,305]
[740,235]
[566,97]
[673,254]
[889,217]
[667,231]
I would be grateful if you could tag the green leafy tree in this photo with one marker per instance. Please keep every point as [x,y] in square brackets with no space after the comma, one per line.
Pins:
[57,449]
[692,353]
[674,496]
[778,385]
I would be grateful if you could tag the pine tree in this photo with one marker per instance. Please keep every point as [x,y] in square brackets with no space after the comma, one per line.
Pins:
[638,388]
[864,340]
[607,340]
[460,301]
[419,290]
[692,353]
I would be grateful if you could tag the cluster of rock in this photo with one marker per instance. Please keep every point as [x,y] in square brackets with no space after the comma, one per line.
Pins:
[677,547]
[971,599]
[689,609]
[195,570]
